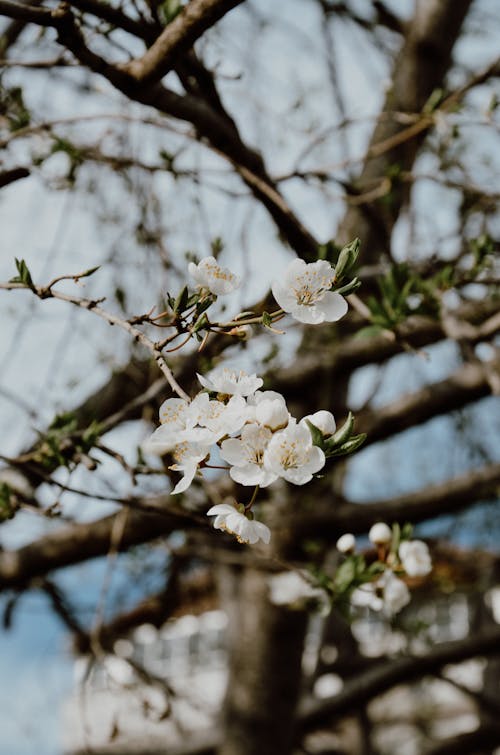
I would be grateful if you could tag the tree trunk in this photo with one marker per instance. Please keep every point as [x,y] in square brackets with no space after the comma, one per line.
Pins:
[266,645]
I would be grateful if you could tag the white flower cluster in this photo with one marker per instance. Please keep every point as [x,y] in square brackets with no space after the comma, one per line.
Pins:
[388,593]
[252,431]
[303,291]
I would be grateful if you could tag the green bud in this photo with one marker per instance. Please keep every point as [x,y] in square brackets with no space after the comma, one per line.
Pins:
[343,433]
[347,258]
[347,448]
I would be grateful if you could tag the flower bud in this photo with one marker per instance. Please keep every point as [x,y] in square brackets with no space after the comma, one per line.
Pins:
[244,332]
[323,420]
[380,534]
[346,543]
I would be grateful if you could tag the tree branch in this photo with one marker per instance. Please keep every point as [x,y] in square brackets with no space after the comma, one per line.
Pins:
[418,69]
[375,681]
[470,383]
[80,542]
[432,501]
[176,39]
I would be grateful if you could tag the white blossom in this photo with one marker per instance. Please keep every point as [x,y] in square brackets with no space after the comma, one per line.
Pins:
[209,274]
[292,589]
[220,418]
[388,594]
[415,558]
[268,408]
[380,534]
[228,518]
[304,292]
[187,457]
[179,420]
[231,382]
[291,455]
[346,543]
[246,456]
[323,420]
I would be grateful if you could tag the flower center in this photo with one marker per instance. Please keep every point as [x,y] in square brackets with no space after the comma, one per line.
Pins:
[292,455]
[180,451]
[311,287]
[218,272]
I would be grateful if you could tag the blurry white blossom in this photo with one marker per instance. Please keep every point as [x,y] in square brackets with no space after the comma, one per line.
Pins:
[291,588]
[415,558]
[209,274]
[388,594]
[346,543]
[380,534]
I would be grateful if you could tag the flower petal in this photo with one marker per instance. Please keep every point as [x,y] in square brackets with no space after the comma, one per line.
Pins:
[333,306]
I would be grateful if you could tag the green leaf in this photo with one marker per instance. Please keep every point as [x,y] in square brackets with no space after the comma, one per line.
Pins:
[396,537]
[343,433]
[217,246]
[24,274]
[89,272]
[349,288]
[349,447]
[316,434]
[200,323]
[202,306]
[345,575]
[181,301]
[433,102]
[406,531]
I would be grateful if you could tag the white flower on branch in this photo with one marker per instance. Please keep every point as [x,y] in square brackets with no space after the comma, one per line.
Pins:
[209,274]
[245,529]
[346,543]
[246,456]
[220,418]
[291,455]
[268,408]
[290,588]
[323,420]
[380,534]
[388,594]
[187,457]
[179,420]
[231,383]
[304,292]
[415,558]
